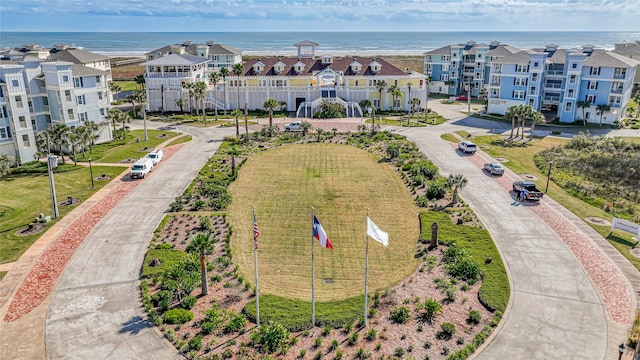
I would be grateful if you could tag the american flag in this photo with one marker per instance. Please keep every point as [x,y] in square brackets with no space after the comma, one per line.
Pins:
[256,232]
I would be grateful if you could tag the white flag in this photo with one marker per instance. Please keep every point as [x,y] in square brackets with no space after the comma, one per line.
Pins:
[377,234]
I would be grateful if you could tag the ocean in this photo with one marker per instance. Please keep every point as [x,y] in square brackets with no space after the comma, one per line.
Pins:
[335,43]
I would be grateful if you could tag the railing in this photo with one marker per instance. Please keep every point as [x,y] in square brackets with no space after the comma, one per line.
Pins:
[615,105]
[169,75]
[553,86]
[495,83]
[555,72]
[616,91]
[496,70]
[619,76]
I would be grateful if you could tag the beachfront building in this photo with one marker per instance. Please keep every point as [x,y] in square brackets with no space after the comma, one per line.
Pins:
[632,51]
[219,55]
[300,83]
[456,69]
[36,94]
[565,84]
[166,77]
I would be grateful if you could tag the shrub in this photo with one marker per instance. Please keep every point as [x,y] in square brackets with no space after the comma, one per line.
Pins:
[334,345]
[400,314]
[474,317]
[436,189]
[188,302]
[317,342]
[339,354]
[177,316]
[164,246]
[465,270]
[353,338]
[399,352]
[270,337]
[303,352]
[447,330]
[195,343]
[362,353]
[372,334]
[237,322]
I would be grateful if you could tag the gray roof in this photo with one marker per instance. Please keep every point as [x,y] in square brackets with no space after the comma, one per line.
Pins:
[627,49]
[76,56]
[176,59]
[609,59]
[502,50]
[306,43]
[521,57]
[446,50]
[214,48]
[78,70]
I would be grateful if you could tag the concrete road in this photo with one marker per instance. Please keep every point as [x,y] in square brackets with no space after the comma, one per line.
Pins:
[555,310]
[95,310]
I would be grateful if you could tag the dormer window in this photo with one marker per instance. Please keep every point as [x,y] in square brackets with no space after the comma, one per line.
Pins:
[375,66]
[355,66]
[299,67]
[327,59]
[258,67]
[278,67]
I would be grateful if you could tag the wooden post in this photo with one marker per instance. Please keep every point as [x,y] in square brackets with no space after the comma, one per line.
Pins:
[434,235]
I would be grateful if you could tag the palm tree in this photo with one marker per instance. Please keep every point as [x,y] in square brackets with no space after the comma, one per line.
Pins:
[43,139]
[60,133]
[269,105]
[381,85]
[114,114]
[125,118]
[188,86]
[233,152]
[456,182]
[238,69]
[583,105]
[636,97]
[114,88]
[199,90]
[305,126]
[631,111]
[224,72]
[536,117]
[413,105]
[395,93]
[431,308]
[214,79]
[91,134]
[364,104]
[601,109]
[180,102]
[427,80]
[140,81]
[409,85]
[74,138]
[132,99]
[246,122]
[511,113]
[236,113]
[482,94]
[203,244]
[6,163]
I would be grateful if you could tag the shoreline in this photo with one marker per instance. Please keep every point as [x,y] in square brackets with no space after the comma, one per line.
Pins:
[252,54]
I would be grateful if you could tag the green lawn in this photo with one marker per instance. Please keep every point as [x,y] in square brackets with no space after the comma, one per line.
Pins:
[521,161]
[115,151]
[30,196]
[341,182]
[128,85]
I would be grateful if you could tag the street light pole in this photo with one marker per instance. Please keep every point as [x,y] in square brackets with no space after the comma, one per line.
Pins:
[548,176]
[52,162]
[620,351]
[91,173]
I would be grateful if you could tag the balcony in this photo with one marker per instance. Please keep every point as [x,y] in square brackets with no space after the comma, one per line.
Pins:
[616,91]
[553,86]
[495,83]
[619,76]
[496,70]
[614,105]
[186,74]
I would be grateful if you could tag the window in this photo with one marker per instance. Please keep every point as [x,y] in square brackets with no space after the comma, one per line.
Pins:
[15,83]
[570,93]
[535,64]
[444,77]
[574,65]
[67,95]
[619,73]
[572,79]
[594,71]
[446,58]
[454,54]
[356,83]
[534,77]
[83,116]
[3,133]
[453,74]
[19,103]
[98,80]
[33,123]
[454,64]
[521,68]
[100,95]
[518,94]
[26,141]
[81,100]
[593,85]
[495,92]
[531,102]
[65,78]
[77,82]
[568,107]
[70,112]
[520,82]
[102,112]
[614,100]
[1,93]
[532,91]
[591,99]
[23,122]
[30,104]
[445,67]
[376,103]
[396,103]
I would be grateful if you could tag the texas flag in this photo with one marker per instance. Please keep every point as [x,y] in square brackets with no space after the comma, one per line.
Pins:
[320,235]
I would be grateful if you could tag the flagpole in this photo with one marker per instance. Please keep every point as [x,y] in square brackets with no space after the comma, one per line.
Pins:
[366,272]
[255,266]
[313,294]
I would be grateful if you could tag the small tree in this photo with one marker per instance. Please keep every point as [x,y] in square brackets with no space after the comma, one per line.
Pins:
[429,309]
[270,105]
[305,126]
[236,114]
[584,105]
[6,163]
[601,109]
[203,244]
[456,182]
[180,103]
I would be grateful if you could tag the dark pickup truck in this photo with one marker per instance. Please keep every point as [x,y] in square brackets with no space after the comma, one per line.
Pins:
[530,190]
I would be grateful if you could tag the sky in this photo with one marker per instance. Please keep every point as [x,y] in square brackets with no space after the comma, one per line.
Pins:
[319,15]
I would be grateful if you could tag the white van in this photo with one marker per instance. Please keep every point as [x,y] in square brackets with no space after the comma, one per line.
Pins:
[156,156]
[141,168]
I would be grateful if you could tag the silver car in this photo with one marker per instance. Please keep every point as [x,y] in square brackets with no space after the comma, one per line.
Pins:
[494,168]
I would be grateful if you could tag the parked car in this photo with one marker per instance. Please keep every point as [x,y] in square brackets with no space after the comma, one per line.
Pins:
[462,98]
[467,147]
[531,192]
[156,156]
[141,168]
[494,168]
[293,126]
